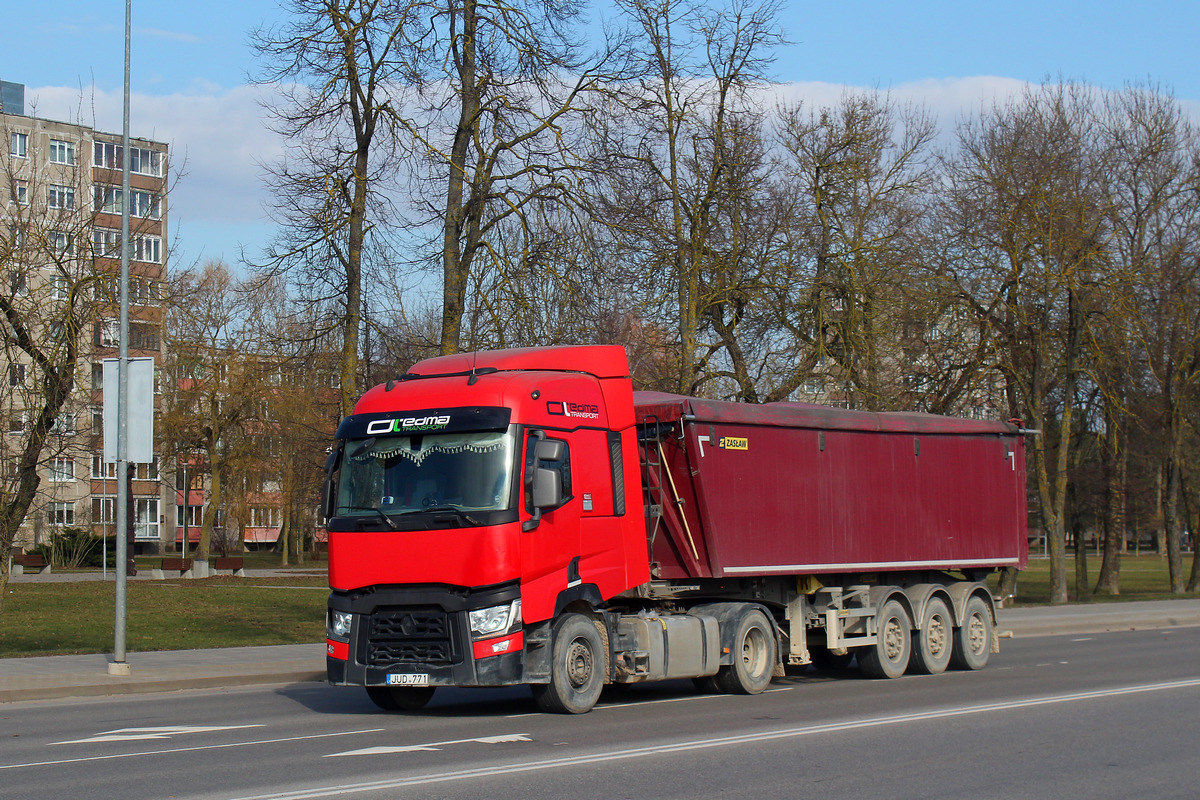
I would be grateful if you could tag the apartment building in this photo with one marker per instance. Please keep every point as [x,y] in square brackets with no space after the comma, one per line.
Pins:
[60,234]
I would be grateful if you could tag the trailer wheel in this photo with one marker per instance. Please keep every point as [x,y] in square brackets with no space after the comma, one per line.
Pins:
[577,668]
[753,656]
[400,698]
[973,640]
[888,657]
[934,642]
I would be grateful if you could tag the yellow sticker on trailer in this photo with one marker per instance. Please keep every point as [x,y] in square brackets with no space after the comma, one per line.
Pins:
[734,443]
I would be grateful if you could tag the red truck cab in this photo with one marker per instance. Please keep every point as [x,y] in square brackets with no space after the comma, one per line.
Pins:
[473,499]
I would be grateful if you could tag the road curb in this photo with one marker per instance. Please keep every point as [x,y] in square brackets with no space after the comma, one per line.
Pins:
[128,686]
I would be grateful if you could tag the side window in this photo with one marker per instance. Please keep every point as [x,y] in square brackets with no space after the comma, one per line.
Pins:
[547,474]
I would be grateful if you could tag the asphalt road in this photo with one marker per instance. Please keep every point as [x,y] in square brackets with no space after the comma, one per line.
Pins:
[1105,715]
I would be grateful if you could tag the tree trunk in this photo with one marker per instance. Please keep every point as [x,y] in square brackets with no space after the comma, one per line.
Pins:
[1116,462]
[454,267]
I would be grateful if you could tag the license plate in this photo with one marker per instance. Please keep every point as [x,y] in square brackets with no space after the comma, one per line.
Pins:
[408,679]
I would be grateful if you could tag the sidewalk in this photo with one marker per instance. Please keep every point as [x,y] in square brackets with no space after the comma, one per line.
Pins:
[160,671]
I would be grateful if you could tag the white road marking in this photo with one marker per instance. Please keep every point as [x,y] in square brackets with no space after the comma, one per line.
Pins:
[343,789]
[416,748]
[164,732]
[84,759]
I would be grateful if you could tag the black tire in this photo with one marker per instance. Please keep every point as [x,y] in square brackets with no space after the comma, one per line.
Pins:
[973,639]
[578,665]
[754,656]
[888,657]
[827,661]
[400,698]
[934,642]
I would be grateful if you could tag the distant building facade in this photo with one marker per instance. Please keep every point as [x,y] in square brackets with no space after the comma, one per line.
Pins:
[60,220]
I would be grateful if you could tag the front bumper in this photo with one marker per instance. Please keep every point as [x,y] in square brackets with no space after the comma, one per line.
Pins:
[423,631]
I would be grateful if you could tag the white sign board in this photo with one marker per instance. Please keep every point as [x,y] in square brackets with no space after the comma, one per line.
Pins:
[140,428]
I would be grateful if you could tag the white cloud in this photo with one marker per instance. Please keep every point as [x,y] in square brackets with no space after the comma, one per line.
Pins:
[217,137]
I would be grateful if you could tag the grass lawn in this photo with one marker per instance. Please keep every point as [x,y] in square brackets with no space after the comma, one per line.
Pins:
[78,617]
[1143,577]
[60,618]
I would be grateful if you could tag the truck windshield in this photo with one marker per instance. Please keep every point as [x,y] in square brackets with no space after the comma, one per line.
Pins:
[405,474]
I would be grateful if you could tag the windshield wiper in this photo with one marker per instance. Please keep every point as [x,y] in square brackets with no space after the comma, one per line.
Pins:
[377,510]
[455,509]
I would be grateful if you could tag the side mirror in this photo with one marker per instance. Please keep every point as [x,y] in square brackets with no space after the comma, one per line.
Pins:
[329,498]
[545,485]
[547,488]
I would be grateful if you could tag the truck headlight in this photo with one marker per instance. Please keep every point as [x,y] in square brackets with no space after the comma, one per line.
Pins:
[339,624]
[495,620]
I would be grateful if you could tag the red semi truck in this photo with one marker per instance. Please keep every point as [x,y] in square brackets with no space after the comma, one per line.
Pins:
[525,517]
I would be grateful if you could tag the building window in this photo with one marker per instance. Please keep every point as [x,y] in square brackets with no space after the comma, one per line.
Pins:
[16,423]
[143,336]
[21,192]
[106,243]
[98,418]
[108,333]
[60,287]
[145,524]
[17,283]
[62,470]
[61,243]
[145,161]
[148,472]
[143,204]
[62,196]
[147,248]
[264,517]
[61,514]
[195,516]
[107,199]
[142,160]
[143,292]
[102,470]
[18,145]
[62,152]
[104,509]
[63,424]
[97,376]
[16,374]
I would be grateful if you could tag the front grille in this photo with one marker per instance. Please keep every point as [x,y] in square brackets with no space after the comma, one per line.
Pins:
[410,635]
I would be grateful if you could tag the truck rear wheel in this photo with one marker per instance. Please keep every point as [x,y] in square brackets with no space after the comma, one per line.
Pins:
[888,657]
[400,698]
[753,656]
[973,639]
[934,642]
[577,668]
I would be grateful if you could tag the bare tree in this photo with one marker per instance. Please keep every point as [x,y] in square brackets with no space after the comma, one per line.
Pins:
[333,64]
[857,172]
[215,381]
[683,139]
[1032,228]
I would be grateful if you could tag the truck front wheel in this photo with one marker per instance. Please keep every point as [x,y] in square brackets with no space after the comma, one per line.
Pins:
[400,698]
[888,657]
[753,656]
[577,668]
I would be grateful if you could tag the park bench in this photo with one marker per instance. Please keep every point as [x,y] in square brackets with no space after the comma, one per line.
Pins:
[232,563]
[173,564]
[23,561]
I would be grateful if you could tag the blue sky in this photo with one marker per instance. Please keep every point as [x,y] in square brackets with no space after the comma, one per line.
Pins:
[190,62]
